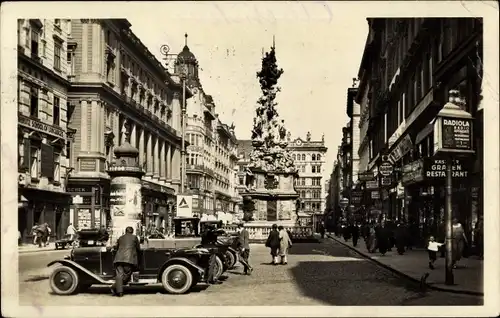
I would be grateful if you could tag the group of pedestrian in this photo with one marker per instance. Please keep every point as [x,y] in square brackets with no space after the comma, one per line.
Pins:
[41,234]
[279,242]
[384,235]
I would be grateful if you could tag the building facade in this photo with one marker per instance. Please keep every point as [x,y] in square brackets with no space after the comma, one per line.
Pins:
[309,157]
[211,157]
[117,84]
[409,66]
[42,125]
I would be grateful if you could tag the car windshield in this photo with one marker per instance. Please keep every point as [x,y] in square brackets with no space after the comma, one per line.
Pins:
[186,228]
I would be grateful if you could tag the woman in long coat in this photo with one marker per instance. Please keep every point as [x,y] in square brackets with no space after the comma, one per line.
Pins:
[458,242]
[285,244]
[273,242]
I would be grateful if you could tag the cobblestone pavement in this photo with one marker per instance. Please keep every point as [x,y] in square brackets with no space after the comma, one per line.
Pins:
[325,273]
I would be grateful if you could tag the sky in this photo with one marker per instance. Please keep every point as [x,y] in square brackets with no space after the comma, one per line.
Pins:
[318,48]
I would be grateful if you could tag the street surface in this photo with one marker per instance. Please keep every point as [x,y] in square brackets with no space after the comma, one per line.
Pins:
[325,273]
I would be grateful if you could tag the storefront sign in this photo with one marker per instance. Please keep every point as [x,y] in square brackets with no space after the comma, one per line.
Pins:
[457,133]
[413,172]
[436,168]
[371,184]
[385,169]
[385,181]
[401,149]
[42,127]
[375,195]
[88,165]
[366,176]
[79,189]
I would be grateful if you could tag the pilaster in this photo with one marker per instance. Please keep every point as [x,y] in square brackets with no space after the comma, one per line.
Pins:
[156,154]
[141,148]
[83,126]
[149,154]
[163,161]
[168,167]
[133,135]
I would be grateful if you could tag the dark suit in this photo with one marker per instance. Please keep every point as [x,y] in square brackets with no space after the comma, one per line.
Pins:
[244,240]
[126,260]
[273,242]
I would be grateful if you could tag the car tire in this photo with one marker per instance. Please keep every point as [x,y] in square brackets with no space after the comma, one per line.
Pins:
[171,284]
[64,280]
[231,259]
[219,267]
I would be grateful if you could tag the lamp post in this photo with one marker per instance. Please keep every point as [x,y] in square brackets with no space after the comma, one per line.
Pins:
[452,138]
[165,49]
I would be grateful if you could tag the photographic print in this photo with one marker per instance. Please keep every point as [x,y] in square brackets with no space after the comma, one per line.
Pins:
[267,158]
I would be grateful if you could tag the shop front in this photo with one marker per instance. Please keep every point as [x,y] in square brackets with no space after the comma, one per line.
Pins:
[157,204]
[89,208]
[424,182]
[41,206]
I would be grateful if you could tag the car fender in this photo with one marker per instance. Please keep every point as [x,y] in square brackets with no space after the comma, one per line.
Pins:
[182,261]
[232,250]
[78,268]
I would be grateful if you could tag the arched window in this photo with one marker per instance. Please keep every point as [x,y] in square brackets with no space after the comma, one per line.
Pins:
[318,157]
[303,181]
[313,169]
[308,194]
[303,193]
[313,158]
[303,157]
[293,156]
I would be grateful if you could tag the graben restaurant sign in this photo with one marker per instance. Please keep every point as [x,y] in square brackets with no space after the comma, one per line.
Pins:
[40,126]
[432,169]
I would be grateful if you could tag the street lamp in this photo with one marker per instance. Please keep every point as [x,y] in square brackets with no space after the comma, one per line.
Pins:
[165,49]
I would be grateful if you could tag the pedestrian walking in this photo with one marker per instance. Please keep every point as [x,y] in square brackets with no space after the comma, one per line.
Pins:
[355,234]
[382,238]
[432,249]
[71,231]
[285,244]
[126,260]
[244,246]
[34,233]
[47,234]
[371,242]
[401,238]
[321,227]
[458,242]
[273,242]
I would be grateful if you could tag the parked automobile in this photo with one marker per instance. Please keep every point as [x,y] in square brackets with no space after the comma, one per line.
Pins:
[177,270]
[67,241]
[92,237]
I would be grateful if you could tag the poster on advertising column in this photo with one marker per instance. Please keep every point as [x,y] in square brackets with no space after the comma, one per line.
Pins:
[125,200]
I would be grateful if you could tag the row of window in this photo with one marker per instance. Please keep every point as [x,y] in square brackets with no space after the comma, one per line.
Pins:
[304,157]
[308,181]
[307,194]
[30,158]
[33,43]
[35,96]
[308,206]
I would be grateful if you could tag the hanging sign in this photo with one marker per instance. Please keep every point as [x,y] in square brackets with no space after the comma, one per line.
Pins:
[184,206]
[385,169]
[457,133]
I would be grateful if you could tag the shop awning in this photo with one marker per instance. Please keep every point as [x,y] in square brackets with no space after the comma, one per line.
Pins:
[428,129]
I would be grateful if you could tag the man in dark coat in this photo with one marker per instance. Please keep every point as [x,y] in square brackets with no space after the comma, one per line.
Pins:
[355,234]
[273,242]
[126,260]
[244,246]
[401,237]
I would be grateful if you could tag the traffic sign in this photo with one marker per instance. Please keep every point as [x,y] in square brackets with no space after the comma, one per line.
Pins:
[386,169]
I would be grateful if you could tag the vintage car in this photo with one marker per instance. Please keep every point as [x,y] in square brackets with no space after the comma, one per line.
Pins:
[67,241]
[178,270]
[92,237]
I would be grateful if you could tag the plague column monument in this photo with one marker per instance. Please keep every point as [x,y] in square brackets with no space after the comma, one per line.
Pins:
[271,197]
[125,190]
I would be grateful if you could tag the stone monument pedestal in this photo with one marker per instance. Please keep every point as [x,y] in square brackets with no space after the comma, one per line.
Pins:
[274,198]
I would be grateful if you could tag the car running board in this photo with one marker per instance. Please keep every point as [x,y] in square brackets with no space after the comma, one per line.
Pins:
[140,282]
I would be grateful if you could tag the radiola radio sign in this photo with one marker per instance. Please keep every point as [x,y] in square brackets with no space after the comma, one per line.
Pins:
[457,133]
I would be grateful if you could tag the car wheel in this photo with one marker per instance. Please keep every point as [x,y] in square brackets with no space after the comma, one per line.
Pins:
[177,279]
[219,267]
[231,259]
[63,280]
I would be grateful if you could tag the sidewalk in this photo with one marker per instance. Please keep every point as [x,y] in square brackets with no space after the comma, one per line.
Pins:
[414,263]
[30,248]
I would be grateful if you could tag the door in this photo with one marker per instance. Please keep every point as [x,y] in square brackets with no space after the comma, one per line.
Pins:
[272,210]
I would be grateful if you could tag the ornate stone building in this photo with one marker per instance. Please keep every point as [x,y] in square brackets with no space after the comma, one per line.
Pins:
[42,125]
[309,157]
[116,82]
[211,155]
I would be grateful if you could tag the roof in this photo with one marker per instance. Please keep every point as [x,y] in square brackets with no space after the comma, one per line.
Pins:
[186,56]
